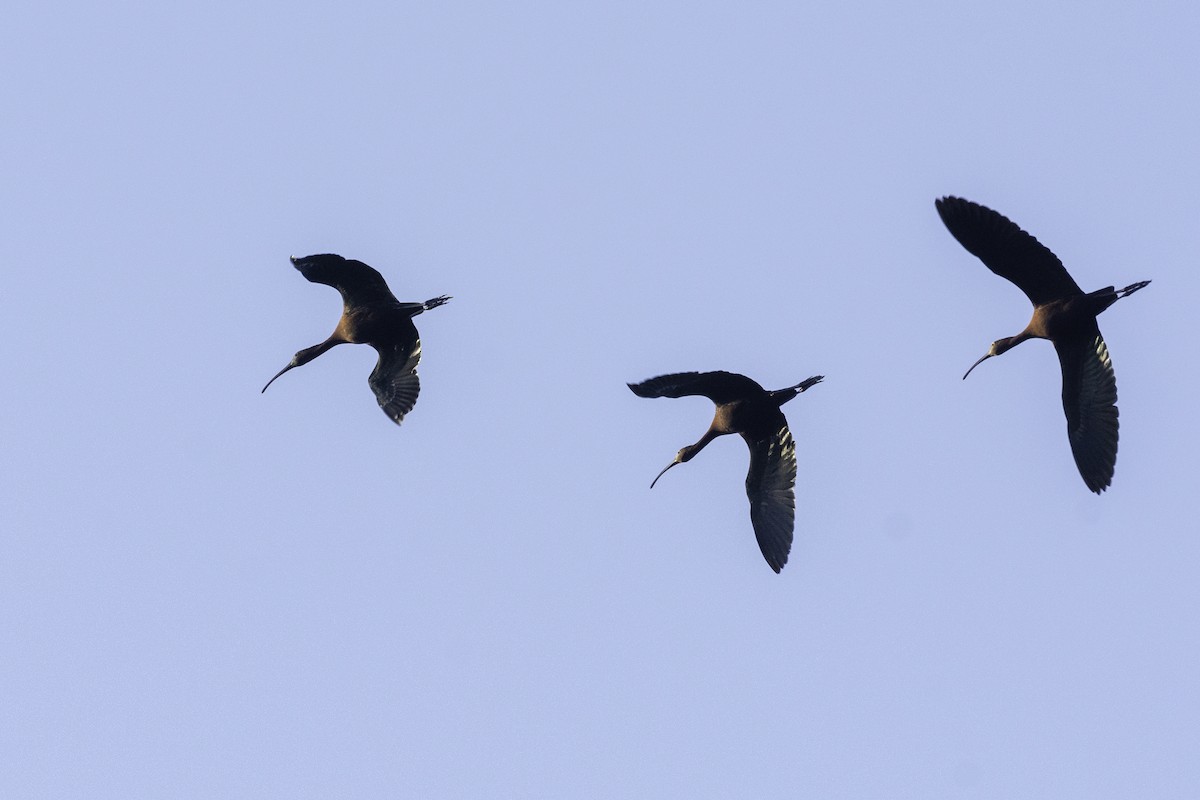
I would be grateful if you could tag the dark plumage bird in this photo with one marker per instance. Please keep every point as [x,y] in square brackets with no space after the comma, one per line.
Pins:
[745,407]
[1063,314]
[372,315]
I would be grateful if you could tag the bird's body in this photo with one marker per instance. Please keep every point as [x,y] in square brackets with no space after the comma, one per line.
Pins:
[1062,313]
[745,408]
[372,315]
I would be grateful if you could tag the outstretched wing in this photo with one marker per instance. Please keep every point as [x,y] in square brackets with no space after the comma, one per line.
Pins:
[770,485]
[1090,402]
[358,283]
[394,379]
[1007,250]
[720,386]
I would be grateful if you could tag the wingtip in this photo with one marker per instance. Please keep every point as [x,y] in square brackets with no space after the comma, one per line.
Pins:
[777,561]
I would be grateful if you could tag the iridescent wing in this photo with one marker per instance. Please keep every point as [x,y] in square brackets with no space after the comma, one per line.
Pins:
[1089,398]
[770,485]
[1007,250]
[394,379]
[720,386]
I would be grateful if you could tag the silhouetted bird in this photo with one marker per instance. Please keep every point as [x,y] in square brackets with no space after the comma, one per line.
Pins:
[1063,314]
[745,407]
[372,315]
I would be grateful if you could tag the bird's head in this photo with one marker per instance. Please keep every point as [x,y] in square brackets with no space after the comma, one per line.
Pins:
[683,456]
[998,347]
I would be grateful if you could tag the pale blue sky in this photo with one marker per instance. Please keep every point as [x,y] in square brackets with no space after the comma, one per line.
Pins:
[210,593]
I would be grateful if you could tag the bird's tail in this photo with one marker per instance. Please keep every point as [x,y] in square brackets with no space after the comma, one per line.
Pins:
[807,383]
[781,396]
[1131,288]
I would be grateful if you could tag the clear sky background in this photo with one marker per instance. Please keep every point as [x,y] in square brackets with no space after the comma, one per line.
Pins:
[210,593]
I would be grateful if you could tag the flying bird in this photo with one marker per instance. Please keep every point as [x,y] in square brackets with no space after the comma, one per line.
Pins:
[1063,314]
[746,408]
[372,315]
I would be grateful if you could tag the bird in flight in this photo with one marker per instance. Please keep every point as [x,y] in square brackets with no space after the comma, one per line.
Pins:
[746,408]
[372,315]
[1063,314]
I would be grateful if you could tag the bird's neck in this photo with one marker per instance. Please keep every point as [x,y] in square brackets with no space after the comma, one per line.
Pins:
[689,452]
[309,353]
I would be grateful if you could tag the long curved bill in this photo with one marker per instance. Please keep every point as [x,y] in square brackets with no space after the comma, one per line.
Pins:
[664,472]
[277,374]
[977,363]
